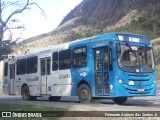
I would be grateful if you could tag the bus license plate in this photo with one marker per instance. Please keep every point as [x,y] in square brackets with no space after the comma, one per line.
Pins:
[140,90]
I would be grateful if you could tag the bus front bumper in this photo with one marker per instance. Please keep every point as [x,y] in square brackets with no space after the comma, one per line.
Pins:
[123,90]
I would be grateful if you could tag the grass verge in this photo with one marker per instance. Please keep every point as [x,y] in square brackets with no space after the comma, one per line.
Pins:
[6,107]
[24,108]
[158,72]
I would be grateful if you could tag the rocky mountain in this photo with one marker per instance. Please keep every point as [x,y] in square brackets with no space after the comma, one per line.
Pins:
[92,17]
[101,14]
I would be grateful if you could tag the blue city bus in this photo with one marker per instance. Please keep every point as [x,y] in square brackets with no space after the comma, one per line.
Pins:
[114,65]
[119,65]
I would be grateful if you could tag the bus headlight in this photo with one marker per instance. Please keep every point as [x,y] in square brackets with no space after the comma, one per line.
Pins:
[131,83]
[120,81]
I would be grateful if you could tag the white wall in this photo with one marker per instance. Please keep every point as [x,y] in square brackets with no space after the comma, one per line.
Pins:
[1,71]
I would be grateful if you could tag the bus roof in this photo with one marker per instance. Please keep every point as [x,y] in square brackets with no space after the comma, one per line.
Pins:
[113,36]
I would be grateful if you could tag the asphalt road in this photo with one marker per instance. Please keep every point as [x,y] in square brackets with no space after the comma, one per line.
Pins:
[72,104]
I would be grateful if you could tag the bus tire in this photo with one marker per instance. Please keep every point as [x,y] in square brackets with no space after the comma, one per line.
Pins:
[84,94]
[25,93]
[54,98]
[120,100]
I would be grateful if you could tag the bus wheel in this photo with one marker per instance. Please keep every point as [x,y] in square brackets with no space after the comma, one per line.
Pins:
[25,93]
[54,98]
[84,94]
[120,100]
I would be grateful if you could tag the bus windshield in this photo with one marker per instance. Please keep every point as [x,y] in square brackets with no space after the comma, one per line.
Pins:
[135,58]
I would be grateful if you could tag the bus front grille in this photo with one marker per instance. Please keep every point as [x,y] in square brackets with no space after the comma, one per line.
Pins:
[137,90]
[139,77]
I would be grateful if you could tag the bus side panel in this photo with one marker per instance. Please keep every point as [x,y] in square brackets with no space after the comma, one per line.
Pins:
[19,80]
[6,85]
[33,82]
[61,83]
[85,74]
[5,80]
[61,90]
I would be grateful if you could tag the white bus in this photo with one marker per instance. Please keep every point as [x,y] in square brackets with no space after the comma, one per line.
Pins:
[31,75]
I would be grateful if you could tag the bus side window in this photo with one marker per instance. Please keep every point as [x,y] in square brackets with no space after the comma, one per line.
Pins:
[32,65]
[43,72]
[48,66]
[98,59]
[12,71]
[110,59]
[55,61]
[65,59]
[106,60]
[6,69]
[21,66]
[80,57]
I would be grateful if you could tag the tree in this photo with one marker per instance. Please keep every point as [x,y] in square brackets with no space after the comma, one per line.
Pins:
[5,49]
[8,23]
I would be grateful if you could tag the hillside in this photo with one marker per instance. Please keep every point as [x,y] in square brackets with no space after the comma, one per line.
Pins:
[92,17]
[101,14]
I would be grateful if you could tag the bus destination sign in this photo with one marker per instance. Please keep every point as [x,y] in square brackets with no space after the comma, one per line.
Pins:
[132,38]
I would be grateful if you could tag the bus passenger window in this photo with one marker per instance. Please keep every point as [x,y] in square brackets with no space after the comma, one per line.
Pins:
[43,72]
[64,59]
[32,65]
[21,67]
[98,59]
[110,59]
[5,69]
[48,66]
[12,71]
[80,57]
[55,61]
[106,60]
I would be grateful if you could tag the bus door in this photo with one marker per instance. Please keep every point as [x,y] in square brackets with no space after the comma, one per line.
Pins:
[5,79]
[101,66]
[45,75]
[12,78]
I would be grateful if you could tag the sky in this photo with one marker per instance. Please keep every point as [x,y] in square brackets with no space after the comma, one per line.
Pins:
[35,23]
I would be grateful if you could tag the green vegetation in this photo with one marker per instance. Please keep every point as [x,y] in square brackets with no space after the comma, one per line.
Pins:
[72,36]
[6,107]
[82,34]
[158,72]
[158,67]
[16,118]
[157,55]
[29,108]
[5,49]
[148,26]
